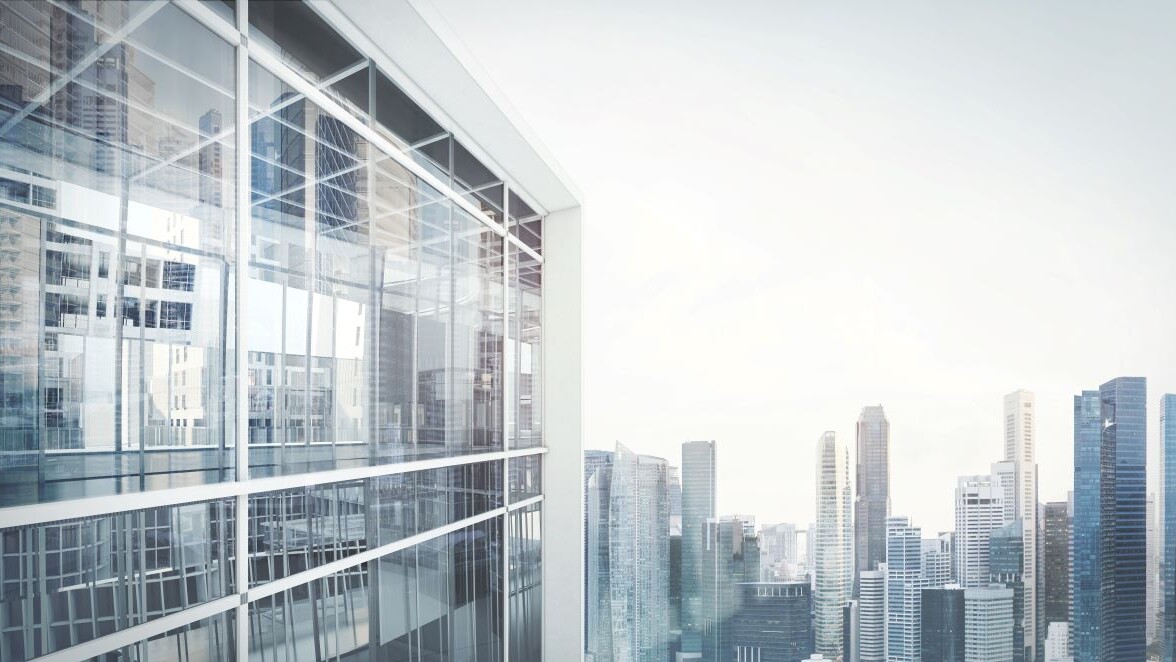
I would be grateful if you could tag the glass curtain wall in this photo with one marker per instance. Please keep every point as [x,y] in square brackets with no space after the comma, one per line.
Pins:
[348,275]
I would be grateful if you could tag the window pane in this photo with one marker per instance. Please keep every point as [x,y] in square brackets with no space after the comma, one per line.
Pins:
[118,198]
[81,578]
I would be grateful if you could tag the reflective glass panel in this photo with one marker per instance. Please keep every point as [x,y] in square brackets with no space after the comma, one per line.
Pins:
[526,479]
[212,638]
[67,582]
[526,584]
[299,529]
[117,222]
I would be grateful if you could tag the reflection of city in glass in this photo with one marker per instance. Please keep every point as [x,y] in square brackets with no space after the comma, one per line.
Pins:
[219,363]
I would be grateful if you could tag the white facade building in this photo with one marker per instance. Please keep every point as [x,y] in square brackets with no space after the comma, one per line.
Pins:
[988,624]
[1020,426]
[1057,643]
[871,637]
[979,509]
[904,586]
[833,544]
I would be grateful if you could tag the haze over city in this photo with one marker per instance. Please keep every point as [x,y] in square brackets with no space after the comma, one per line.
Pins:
[799,210]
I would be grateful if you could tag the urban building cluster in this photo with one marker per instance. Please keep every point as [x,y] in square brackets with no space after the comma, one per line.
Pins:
[1086,578]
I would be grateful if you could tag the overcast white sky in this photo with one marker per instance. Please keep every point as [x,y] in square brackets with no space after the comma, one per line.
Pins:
[797,209]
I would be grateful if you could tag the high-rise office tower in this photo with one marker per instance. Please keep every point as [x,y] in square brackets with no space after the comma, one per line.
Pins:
[833,544]
[1123,536]
[597,586]
[988,624]
[1055,563]
[1019,428]
[675,501]
[871,630]
[936,562]
[1168,474]
[872,503]
[778,552]
[639,557]
[942,628]
[1057,642]
[1006,558]
[947,541]
[773,622]
[1086,565]
[730,557]
[979,509]
[904,585]
[698,507]
[1152,574]
[290,324]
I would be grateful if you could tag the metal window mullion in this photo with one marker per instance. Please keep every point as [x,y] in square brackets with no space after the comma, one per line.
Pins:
[243,155]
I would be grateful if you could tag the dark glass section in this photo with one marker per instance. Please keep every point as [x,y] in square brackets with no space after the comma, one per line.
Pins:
[117,223]
[526,584]
[773,622]
[67,582]
[943,624]
[303,37]
[295,530]
[397,113]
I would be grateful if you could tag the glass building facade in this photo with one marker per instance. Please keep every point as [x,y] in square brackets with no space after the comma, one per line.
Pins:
[1122,540]
[773,623]
[698,506]
[271,347]
[942,625]
[1084,542]
[1168,560]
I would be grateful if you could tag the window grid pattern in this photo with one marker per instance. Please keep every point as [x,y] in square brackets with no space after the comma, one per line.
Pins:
[381,321]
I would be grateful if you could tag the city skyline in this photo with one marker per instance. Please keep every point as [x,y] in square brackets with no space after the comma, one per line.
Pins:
[942,185]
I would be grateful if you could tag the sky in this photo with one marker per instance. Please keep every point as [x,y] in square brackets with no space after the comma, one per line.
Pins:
[797,209]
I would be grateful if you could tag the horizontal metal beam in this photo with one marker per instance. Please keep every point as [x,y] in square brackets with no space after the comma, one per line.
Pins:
[51,511]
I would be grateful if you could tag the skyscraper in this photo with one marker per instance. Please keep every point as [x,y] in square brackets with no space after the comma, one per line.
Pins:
[988,624]
[1006,559]
[871,631]
[1152,574]
[872,503]
[937,562]
[698,506]
[639,557]
[1020,426]
[1086,569]
[1055,563]
[731,557]
[833,544]
[979,509]
[904,585]
[773,622]
[942,631]
[778,552]
[1168,473]
[597,587]
[1123,537]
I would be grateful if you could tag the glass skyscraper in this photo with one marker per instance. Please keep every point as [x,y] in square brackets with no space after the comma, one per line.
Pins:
[904,585]
[1122,540]
[833,545]
[698,507]
[872,503]
[1168,472]
[942,625]
[275,337]
[774,622]
[1006,559]
[731,557]
[1084,543]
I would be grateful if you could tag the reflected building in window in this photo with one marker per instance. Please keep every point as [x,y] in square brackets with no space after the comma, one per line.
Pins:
[272,342]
